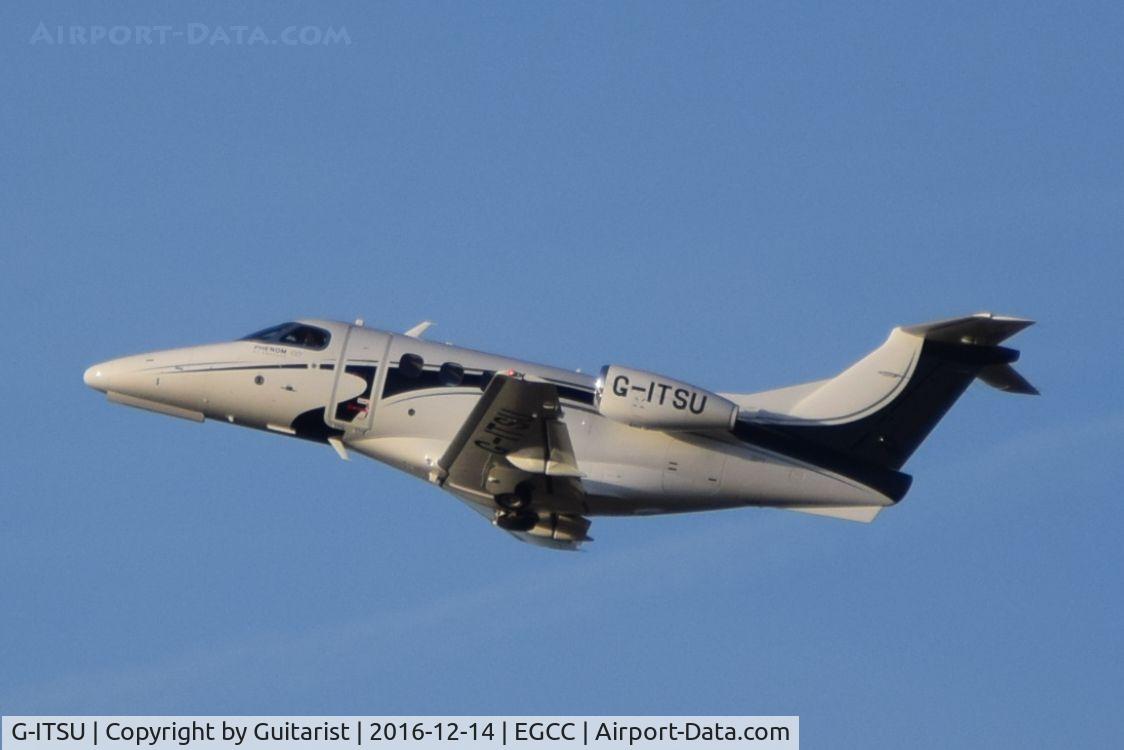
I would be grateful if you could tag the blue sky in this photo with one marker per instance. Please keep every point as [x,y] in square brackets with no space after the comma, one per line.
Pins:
[742,195]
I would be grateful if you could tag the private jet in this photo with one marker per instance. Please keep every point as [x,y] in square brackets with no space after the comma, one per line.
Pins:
[539,450]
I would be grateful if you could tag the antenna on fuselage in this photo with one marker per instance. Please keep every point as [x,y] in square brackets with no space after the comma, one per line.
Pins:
[417,331]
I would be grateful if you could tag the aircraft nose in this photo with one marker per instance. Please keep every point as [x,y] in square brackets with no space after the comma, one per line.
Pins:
[92,377]
[97,377]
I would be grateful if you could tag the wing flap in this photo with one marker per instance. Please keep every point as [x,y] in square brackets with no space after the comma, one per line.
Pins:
[514,442]
[554,458]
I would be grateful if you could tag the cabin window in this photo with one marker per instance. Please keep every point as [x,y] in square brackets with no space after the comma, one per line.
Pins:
[293,334]
[411,366]
[451,374]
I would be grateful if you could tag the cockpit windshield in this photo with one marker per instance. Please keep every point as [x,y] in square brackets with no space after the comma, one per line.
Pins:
[293,334]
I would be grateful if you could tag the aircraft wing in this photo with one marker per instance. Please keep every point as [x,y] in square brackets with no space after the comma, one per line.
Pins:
[515,442]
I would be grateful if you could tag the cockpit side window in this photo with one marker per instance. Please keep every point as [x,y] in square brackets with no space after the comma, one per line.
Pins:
[293,334]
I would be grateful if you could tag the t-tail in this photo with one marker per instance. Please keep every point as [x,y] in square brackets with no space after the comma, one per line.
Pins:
[868,420]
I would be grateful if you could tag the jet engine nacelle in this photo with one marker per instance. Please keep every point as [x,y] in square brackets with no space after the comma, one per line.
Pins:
[645,399]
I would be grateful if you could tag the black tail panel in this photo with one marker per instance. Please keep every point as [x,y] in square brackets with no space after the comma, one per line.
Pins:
[887,438]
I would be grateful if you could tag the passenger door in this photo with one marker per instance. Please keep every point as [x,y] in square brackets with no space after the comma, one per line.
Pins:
[352,404]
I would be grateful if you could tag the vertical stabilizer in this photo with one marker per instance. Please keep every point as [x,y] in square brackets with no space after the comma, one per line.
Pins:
[879,410]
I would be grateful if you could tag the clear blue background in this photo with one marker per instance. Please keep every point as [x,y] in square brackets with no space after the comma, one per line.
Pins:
[743,195]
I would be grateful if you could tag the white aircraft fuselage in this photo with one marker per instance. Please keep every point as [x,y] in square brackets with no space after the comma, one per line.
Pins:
[574,451]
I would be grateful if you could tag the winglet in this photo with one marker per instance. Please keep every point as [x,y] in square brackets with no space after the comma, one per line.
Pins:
[417,331]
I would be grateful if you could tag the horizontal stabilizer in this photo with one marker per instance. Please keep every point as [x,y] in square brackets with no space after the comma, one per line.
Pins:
[983,328]
[1006,378]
